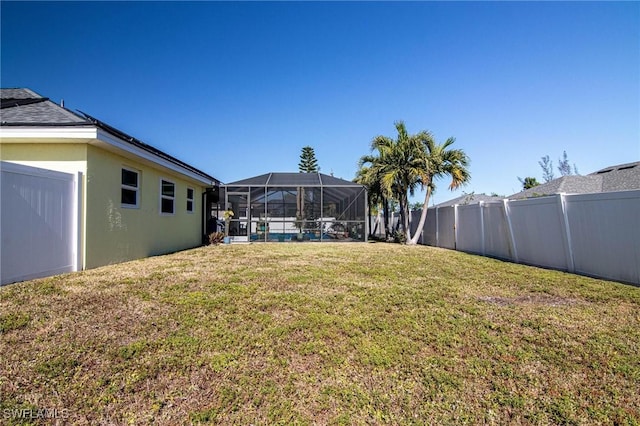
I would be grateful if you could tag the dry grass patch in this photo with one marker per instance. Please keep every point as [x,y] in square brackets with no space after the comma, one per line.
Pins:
[321,334]
[535,299]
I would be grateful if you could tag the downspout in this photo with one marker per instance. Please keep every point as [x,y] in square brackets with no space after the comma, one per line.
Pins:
[203,222]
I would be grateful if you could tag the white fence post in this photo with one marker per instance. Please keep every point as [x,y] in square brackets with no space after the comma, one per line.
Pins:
[482,242]
[437,231]
[455,227]
[79,223]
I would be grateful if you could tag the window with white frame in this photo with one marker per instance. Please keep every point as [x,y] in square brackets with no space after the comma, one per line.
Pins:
[190,200]
[130,188]
[167,196]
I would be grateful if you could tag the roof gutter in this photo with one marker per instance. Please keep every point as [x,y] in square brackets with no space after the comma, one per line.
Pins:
[163,160]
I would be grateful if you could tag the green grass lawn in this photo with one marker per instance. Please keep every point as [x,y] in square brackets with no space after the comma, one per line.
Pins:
[321,334]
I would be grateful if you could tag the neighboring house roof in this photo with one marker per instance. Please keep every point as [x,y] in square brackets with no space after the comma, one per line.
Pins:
[294,179]
[24,108]
[622,177]
[470,199]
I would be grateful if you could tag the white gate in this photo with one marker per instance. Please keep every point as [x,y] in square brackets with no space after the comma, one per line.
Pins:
[38,223]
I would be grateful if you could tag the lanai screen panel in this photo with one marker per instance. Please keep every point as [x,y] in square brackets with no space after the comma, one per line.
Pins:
[303,207]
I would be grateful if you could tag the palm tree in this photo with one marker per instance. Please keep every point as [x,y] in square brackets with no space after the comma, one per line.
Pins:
[441,162]
[399,167]
[529,182]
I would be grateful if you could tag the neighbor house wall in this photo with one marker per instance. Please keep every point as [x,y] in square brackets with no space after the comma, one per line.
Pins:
[116,233]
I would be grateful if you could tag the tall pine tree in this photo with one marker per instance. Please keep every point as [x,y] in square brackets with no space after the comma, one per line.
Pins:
[308,162]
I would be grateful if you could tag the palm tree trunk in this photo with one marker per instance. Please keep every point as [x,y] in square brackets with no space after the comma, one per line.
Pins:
[401,219]
[404,216]
[423,217]
[386,218]
[375,230]
[407,221]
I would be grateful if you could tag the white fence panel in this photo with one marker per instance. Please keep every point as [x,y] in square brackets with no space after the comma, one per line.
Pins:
[591,234]
[37,223]
[605,234]
[446,227]
[470,229]
[539,232]
[497,238]
[429,233]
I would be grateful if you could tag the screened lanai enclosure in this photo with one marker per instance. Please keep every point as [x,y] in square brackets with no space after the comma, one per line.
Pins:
[295,207]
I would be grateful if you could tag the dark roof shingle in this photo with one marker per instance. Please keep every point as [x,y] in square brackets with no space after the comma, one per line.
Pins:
[470,199]
[18,93]
[620,178]
[22,107]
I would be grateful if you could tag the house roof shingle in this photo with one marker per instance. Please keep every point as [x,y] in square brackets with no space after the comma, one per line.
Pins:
[469,199]
[622,177]
[19,93]
[22,107]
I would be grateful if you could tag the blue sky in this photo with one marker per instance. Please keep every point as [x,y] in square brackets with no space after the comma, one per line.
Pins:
[237,89]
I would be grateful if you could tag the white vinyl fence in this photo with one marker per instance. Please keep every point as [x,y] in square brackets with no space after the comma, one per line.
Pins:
[589,234]
[38,222]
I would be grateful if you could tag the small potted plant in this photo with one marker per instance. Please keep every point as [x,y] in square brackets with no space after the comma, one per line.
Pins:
[228,214]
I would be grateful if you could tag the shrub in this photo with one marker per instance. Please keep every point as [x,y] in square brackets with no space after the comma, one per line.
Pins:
[400,237]
[216,238]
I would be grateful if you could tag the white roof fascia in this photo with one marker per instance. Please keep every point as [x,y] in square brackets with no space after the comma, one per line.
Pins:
[72,132]
[139,152]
